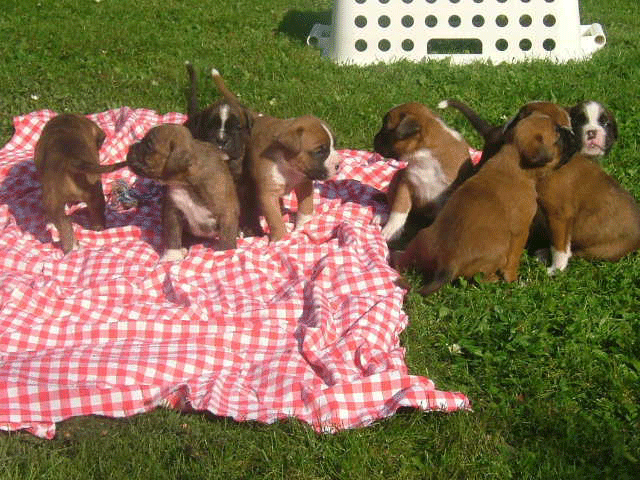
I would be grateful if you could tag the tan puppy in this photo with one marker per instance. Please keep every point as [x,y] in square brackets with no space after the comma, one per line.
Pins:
[589,214]
[287,155]
[200,193]
[484,225]
[434,153]
[68,164]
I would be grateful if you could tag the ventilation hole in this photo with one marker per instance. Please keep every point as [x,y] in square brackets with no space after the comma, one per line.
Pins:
[361,45]
[454,1]
[478,20]
[525,1]
[407,1]
[431,1]
[525,44]
[502,45]
[384,45]
[549,20]
[549,1]
[549,44]
[384,1]
[525,20]
[502,20]
[407,21]
[384,21]
[431,21]
[360,1]
[449,46]
[502,1]
[454,21]
[477,1]
[407,45]
[361,21]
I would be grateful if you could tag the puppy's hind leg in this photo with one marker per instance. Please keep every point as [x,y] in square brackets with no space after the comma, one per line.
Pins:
[96,206]
[65,229]
[440,278]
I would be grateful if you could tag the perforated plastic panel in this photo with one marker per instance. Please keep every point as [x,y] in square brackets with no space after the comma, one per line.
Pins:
[368,31]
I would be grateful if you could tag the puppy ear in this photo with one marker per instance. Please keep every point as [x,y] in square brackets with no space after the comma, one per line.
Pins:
[287,144]
[568,143]
[99,135]
[407,127]
[180,158]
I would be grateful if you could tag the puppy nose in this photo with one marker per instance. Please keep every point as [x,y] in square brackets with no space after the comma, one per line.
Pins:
[591,134]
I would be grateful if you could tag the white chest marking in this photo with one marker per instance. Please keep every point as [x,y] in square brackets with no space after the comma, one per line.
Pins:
[425,174]
[201,222]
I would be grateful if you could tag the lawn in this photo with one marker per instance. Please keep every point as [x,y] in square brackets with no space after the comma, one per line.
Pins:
[551,364]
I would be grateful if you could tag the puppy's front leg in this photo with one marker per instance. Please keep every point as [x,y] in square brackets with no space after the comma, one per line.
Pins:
[400,208]
[228,233]
[560,243]
[96,206]
[270,206]
[172,232]
[304,194]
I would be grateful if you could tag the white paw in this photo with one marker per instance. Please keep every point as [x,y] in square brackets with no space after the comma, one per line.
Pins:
[301,219]
[393,229]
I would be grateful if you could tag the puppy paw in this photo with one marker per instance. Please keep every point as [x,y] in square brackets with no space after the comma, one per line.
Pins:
[301,220]
[394,226]
[174,255]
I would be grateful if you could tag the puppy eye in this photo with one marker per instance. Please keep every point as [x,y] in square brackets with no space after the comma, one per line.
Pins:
[603,120]
[320,152]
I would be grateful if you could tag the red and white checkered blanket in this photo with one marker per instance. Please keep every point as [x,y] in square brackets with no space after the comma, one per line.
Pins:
[306,327]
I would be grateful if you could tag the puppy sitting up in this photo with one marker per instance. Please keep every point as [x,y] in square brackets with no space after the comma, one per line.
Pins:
[200,192]
[484,225]
[287,155]
[588,214]
[68,164]
[434,154]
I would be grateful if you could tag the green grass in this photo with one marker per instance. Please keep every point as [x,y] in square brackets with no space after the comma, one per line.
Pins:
[551,365]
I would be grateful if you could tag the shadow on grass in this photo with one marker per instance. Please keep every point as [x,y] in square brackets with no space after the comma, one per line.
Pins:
[297,24]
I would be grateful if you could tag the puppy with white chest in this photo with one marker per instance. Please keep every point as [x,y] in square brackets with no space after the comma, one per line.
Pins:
[200,192]
[67,160]
[434,153]
[483,227]
[286,155]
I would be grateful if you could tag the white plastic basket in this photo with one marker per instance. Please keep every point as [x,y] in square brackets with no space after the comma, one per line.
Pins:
[370,31]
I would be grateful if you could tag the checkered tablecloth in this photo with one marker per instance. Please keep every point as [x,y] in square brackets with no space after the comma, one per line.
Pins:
[306,327]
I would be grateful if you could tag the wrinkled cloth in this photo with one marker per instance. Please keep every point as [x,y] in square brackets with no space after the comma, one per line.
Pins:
[307,327]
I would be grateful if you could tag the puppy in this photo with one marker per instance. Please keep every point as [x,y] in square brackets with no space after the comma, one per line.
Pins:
[227,124]
[434,154]
[595,126]
[589,214]
[68,165]
[287,155]
[200,191]
[484,225]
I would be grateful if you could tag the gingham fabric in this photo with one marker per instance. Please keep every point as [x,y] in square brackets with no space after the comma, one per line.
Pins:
[306,327]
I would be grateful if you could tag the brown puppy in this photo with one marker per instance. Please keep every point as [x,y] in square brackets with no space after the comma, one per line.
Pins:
[484,225]
[434,153]
[200,192]
[589,214]
[287,155]
[68,164]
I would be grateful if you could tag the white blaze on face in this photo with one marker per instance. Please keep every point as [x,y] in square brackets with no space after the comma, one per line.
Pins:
[224,116]
[332,163]
[593,133]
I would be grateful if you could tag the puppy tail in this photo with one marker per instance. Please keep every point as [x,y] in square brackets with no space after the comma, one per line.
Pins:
[99,169]
[227,94]
[192,96]
[482,126]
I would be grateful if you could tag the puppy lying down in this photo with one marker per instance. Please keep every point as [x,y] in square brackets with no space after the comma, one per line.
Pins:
[200,192]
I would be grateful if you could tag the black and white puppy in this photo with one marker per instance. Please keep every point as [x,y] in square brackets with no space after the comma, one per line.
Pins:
[595,127]
[225,123]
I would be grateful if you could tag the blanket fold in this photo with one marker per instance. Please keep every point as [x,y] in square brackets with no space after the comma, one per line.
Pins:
[307,327]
